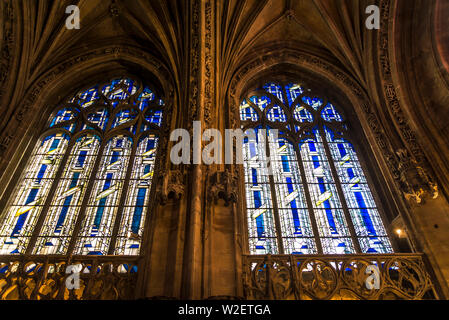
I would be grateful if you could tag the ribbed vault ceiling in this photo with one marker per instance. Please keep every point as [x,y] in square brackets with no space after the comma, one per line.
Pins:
[331,29]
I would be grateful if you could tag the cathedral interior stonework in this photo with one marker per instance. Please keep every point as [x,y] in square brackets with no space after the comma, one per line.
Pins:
[341,193]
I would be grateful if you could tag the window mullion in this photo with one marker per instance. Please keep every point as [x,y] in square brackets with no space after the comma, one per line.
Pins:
[277,221]
[87,195]
[308,200]
[340,191]
[51,193]
[122,200]
[302,171]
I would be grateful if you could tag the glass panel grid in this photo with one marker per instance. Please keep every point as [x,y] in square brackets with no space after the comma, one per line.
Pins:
[258,197]
[119,89]
[365,216]
[301,114]
[261,102]
[247,113]
[63,115]
[130,235]
[154,116]
[86,98]
[96,228]
[27,202]
[54,232]
[291,206]
[145,98]
[99,118]
[291,201]
[276,114]
[330,114]
[60,220]
[315,103]
[293,91]
[275,90]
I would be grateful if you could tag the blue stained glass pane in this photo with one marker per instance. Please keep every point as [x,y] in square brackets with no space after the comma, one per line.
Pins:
[364,214]
[247,112]
[276,114]
[138,212]
[315,103]
[154,116]
[96,227]
[136,204]
[293,91]
[301,114]
[275,90]
[30,195]
[285,164]
[257,199]
[41,173]
[58,225]
[330,114]
[122,117]
[254,176]
[145,98]
[63,115]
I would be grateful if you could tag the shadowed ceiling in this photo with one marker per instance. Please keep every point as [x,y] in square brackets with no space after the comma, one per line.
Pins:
[330,29]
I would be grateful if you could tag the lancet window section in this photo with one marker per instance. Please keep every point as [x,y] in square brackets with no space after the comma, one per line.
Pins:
[306,192]
[86,188]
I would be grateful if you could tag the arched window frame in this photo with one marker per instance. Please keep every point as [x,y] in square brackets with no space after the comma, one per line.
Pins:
[346,134]
[104,136]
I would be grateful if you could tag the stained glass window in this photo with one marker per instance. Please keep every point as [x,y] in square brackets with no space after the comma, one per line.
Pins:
[306,192]
[86,188]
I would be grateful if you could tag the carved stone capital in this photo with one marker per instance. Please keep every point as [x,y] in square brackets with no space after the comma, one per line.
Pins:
[223,185]
[415,183]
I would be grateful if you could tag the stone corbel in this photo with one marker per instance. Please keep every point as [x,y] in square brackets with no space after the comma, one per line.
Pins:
[172,186]
[415,183]
[223,185]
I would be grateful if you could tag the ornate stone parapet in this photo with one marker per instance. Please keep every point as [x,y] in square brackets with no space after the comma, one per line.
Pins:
[324,277]
[44,277]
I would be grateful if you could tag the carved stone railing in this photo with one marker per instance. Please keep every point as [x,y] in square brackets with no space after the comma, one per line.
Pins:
[335,277]
[49,278]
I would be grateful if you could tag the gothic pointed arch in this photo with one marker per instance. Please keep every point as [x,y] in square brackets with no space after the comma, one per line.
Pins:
[318,82]
[86,188]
